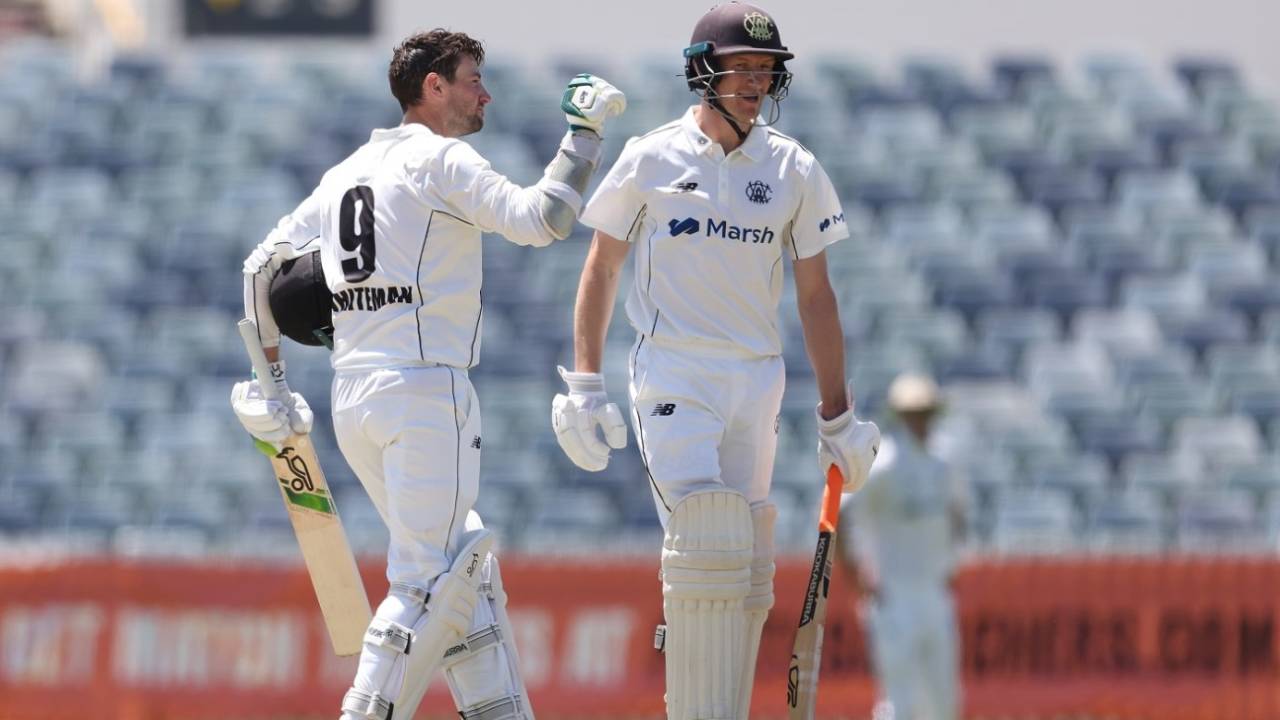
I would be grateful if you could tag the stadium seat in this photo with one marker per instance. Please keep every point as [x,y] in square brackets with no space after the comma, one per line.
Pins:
[1210,520]
[1119,434]
[1068,293]
[54,375]
[939,333]
[917,219]
[1259,400]
[971,187]
[21,508]
[1131,521]
[1121,331]
[1081,475]
[1166,400]
[1030,522]
[1168,475]
[1201,72]
[1200,330]
[1230,363]
[1178,295]
[1262,478]
[1254,299]
[1147,189]
[984,362]
[1056,189]
[1017,75]
[1220,441]
[972,291]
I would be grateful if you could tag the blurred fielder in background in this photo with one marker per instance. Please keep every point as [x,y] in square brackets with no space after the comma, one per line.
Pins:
[906,522]
[398,227]
[713,202]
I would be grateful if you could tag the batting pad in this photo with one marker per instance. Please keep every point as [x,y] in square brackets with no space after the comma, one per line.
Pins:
[759,599]
[407,639]
[706,576]
[483,671]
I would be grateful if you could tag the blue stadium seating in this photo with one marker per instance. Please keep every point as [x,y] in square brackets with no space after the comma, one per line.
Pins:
[1092,270]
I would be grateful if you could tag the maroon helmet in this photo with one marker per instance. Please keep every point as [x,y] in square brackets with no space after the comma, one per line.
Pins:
[727,29]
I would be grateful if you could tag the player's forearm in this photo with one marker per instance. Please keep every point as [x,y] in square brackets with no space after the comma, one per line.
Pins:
[824,343]
[566,180]
[258,272]
[591,313]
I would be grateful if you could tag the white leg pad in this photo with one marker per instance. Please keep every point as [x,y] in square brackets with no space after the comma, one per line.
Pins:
[706,575]
[759,599]
[483,671]
[406,641]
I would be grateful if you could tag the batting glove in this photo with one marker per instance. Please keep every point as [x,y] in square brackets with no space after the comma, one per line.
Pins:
[848,443]
[271,420]
[589,101]
[576,416]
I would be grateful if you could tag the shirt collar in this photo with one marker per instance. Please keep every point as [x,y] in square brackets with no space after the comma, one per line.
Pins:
[402,130]
[754,147]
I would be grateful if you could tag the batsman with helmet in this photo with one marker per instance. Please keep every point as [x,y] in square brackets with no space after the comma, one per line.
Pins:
[713,202]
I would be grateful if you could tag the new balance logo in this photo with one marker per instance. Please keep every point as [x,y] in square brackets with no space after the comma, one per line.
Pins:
[684,187]
[663,409]
[687,226]
[475,442]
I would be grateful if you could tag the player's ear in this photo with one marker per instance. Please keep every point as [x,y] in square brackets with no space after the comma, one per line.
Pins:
[432,85]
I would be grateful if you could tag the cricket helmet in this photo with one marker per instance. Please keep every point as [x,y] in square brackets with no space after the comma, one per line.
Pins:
[301,303]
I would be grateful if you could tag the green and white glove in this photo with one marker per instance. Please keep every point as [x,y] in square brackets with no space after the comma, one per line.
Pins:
[589,101]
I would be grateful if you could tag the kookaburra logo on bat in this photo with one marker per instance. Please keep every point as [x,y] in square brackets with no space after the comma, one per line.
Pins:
[301,480]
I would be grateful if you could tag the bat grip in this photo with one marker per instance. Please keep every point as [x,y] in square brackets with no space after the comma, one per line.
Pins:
[261,366]
[831,500]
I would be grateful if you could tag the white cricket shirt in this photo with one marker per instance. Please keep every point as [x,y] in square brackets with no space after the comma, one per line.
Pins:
[398,225]
[710,232]
[902,521]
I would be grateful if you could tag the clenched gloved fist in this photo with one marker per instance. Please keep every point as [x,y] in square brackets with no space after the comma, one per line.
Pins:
[589,101]
[271,420]
[576,416]
[848,443]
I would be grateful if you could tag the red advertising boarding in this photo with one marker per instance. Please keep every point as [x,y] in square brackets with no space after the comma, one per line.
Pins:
[1174,638]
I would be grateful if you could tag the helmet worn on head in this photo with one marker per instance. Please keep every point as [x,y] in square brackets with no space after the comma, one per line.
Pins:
[730,28]
[301,303]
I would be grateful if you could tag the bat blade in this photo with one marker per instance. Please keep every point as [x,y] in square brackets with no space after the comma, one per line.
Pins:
[335,575]
[806,653]
[330,562]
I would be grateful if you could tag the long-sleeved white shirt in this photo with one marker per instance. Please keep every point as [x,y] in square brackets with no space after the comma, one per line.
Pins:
[398,225]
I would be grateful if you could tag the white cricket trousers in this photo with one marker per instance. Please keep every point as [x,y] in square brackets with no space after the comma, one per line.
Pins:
[412,436]
[915,652]
[704,423]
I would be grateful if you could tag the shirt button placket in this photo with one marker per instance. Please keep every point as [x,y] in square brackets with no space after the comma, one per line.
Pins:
[723,195]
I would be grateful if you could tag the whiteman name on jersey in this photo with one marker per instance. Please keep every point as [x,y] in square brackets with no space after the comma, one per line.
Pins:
[371,298]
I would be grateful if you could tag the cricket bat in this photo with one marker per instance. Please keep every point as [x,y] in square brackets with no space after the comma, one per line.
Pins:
[806,654]
[314,515]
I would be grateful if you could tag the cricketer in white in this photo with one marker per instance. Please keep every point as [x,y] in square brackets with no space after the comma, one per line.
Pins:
[398,225]
[899,544]
[713,202]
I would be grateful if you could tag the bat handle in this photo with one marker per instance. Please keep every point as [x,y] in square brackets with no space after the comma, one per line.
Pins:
[261,366]
[831,500]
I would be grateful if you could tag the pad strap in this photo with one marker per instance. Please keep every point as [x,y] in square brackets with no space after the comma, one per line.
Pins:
[508,708]
[367,705]
[389,634]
